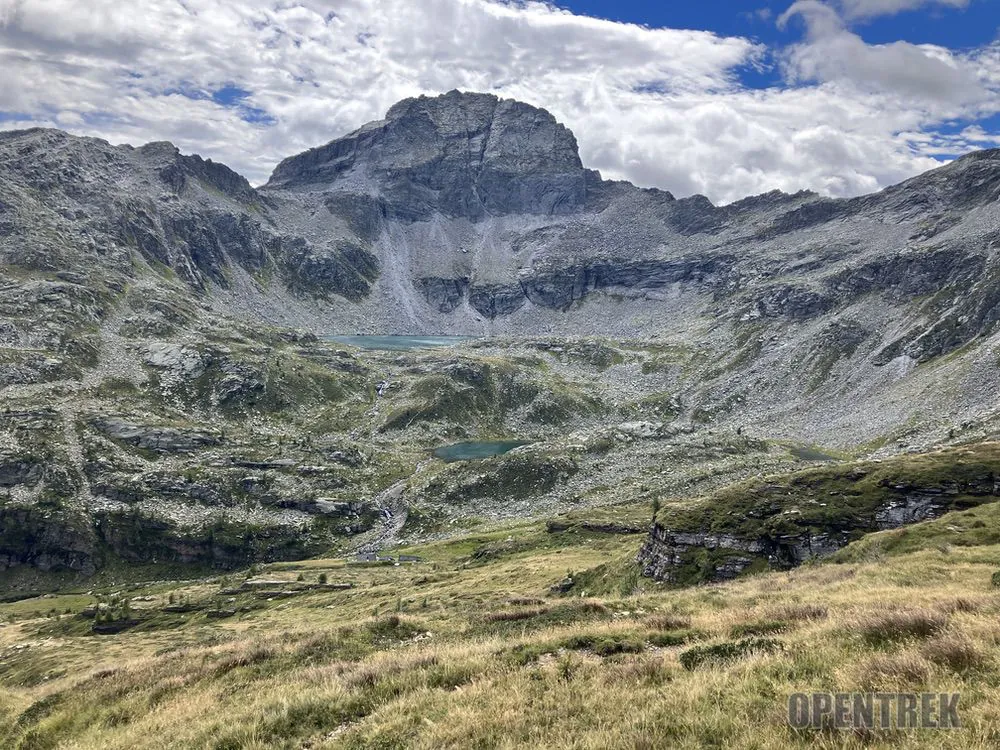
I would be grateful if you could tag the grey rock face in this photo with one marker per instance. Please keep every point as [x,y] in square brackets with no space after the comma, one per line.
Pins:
[177,170]
[913,509]
[496,300]
[197,218]
[239,384]
[679,556]
[346,269]
[460,155]
[184,361]
[443,294]
[489,300]
[159,439]
[45,540]
[557,288]
[14,472]
[396,197]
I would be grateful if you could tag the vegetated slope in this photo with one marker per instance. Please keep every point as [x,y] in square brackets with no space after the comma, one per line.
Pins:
[783,521]
[234,444]
[470,646]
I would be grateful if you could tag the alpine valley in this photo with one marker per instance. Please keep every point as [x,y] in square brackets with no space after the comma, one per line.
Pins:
[208,459]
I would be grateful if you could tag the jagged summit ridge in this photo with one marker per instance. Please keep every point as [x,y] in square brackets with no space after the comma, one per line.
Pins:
[469,155]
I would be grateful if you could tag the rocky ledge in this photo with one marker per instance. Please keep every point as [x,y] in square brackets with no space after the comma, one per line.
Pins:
[783,522]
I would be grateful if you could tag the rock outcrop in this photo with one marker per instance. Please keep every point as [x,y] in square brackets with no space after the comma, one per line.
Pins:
[787,521]
[156,438]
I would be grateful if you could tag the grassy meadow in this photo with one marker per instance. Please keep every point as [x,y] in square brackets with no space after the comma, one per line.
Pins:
[472,648]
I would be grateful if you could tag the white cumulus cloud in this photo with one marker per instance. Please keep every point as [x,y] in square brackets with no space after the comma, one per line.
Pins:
[926,74]
[871,8]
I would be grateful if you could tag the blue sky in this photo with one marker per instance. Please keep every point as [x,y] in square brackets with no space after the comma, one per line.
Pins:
[974,25]
[971,26]
[716,97]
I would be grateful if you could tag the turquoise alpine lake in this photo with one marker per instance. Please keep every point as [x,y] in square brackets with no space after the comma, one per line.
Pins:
[399,343]
[473,451]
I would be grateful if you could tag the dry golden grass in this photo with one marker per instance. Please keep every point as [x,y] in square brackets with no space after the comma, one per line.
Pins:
[449,654]
[955,651]
[892,624]
[894,672]
[669,621]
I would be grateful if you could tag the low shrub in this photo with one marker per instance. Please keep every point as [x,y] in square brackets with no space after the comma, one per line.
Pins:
[800,612]
[604,645]
[513,615]
[894,671]
[674,638]
[669,621]
[394,627]
[961,604]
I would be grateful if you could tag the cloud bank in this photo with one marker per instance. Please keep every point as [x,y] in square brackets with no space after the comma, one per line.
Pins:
[248,82]
[854,9]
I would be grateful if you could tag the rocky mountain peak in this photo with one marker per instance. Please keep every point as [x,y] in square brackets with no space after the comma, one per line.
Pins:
[177,170]
[458,154]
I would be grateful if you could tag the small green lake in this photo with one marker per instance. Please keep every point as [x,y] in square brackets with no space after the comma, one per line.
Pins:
[399,343]
[478,450]
[808,453]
